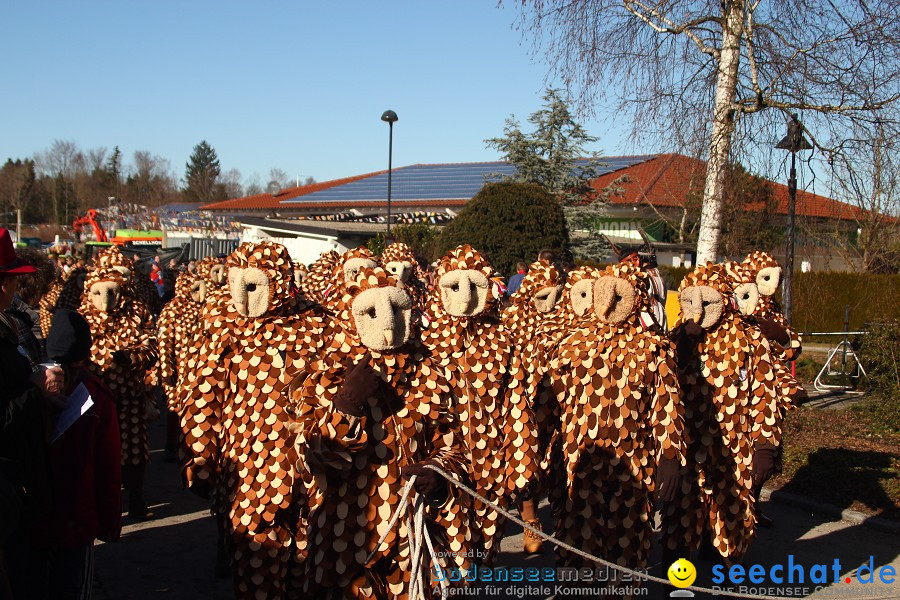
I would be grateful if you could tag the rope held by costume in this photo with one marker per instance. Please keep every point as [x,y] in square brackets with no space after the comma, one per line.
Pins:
[596,559]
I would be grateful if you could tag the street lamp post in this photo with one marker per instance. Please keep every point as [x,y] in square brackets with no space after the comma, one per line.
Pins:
[792,142]
[389,117]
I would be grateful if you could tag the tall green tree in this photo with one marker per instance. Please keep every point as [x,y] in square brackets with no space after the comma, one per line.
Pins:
[554,156]
[509,221]
[201,176]
[549,155]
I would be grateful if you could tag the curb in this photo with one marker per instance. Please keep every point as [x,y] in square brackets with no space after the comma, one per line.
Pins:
[851,516]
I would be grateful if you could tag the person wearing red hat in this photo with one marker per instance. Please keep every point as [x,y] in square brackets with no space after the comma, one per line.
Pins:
[24,470]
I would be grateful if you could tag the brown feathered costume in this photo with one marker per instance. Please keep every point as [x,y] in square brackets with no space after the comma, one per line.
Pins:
[351,463]
[476,356]
[319,276]
[621,416]
[398,260]
[237,412]
[123,352]
[730,396]
[767,274]
[179,324]
[64,293]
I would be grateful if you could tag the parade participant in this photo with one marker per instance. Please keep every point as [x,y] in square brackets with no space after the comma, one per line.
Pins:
[235,415]
[65,292]
[535,300]
[85,469]
[621,424]
[123,352]
[345,269]
[139,286]
[372,415]
[318,276]
[178,326]
[476,356]
[786,341]
[398,260]
[730,396]
[645,260]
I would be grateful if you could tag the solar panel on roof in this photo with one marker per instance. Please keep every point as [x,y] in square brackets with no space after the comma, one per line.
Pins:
[434,182]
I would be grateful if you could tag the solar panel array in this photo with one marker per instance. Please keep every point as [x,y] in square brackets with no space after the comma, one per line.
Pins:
[435,182]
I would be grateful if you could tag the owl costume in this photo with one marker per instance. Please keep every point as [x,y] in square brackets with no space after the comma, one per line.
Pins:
[398,260]
[476,357]
[179,324]
[64,293]
[767,274]
[237,413]
[318,276]
[621,417]
[351,460]
[123,352]
[730,394]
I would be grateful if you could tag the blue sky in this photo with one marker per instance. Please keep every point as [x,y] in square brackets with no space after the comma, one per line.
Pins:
[299,86]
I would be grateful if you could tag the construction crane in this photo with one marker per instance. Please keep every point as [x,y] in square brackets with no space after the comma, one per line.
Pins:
[90,219]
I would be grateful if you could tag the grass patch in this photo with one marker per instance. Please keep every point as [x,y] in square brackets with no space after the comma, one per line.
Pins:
[849,458]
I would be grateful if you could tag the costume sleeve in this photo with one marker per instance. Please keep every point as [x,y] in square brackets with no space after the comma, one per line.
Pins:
[108,470]
[794,347]
[764,395]
[328,440]
[144,352]
[520,444]
[448,449]
[667,417]
[166,337]
[203,390]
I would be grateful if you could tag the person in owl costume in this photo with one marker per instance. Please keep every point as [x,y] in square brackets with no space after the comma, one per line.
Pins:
[785,341]
[745,279]
[123,352]
[344,271]
[476,357]
[64,293]
[398,260]
[621,424]
[534,301]
[730,393]
[139,284]
[375,411]
[318,276]
[178,326]
[237,413]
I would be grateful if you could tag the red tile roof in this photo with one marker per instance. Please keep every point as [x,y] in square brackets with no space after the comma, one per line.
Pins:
[665,180]
[267,201]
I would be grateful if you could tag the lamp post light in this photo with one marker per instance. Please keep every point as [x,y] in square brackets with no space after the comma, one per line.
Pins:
[792,142]
[390,117]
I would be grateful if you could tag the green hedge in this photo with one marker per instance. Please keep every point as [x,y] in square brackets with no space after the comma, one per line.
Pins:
[820,298]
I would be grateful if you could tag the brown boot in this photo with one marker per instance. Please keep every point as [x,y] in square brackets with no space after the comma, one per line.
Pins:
[532,542]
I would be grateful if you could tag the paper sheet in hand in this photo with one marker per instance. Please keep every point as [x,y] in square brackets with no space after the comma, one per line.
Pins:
[77,404]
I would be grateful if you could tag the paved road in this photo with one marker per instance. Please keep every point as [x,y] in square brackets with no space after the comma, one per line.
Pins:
[172,557]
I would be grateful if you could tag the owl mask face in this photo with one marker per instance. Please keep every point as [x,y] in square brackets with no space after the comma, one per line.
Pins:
[613,299]
[217,274]
[702,304]
[198,291]
[767,280]
[249,291]
[105,295]
[747,296]
[353,265]
[464,292]
[545,299]
[382,316]
[400,269]
[581,296]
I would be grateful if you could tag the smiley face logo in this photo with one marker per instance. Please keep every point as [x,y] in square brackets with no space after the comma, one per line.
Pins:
[682,573]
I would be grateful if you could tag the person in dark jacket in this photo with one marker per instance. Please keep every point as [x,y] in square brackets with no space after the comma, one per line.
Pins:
[85,472]
[24,470]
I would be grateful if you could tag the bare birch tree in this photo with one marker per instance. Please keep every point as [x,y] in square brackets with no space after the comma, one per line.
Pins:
[698,72]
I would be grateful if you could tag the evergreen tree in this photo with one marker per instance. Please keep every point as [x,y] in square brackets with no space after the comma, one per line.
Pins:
[549,155]
[509,221]
[554,156]
[201,174]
